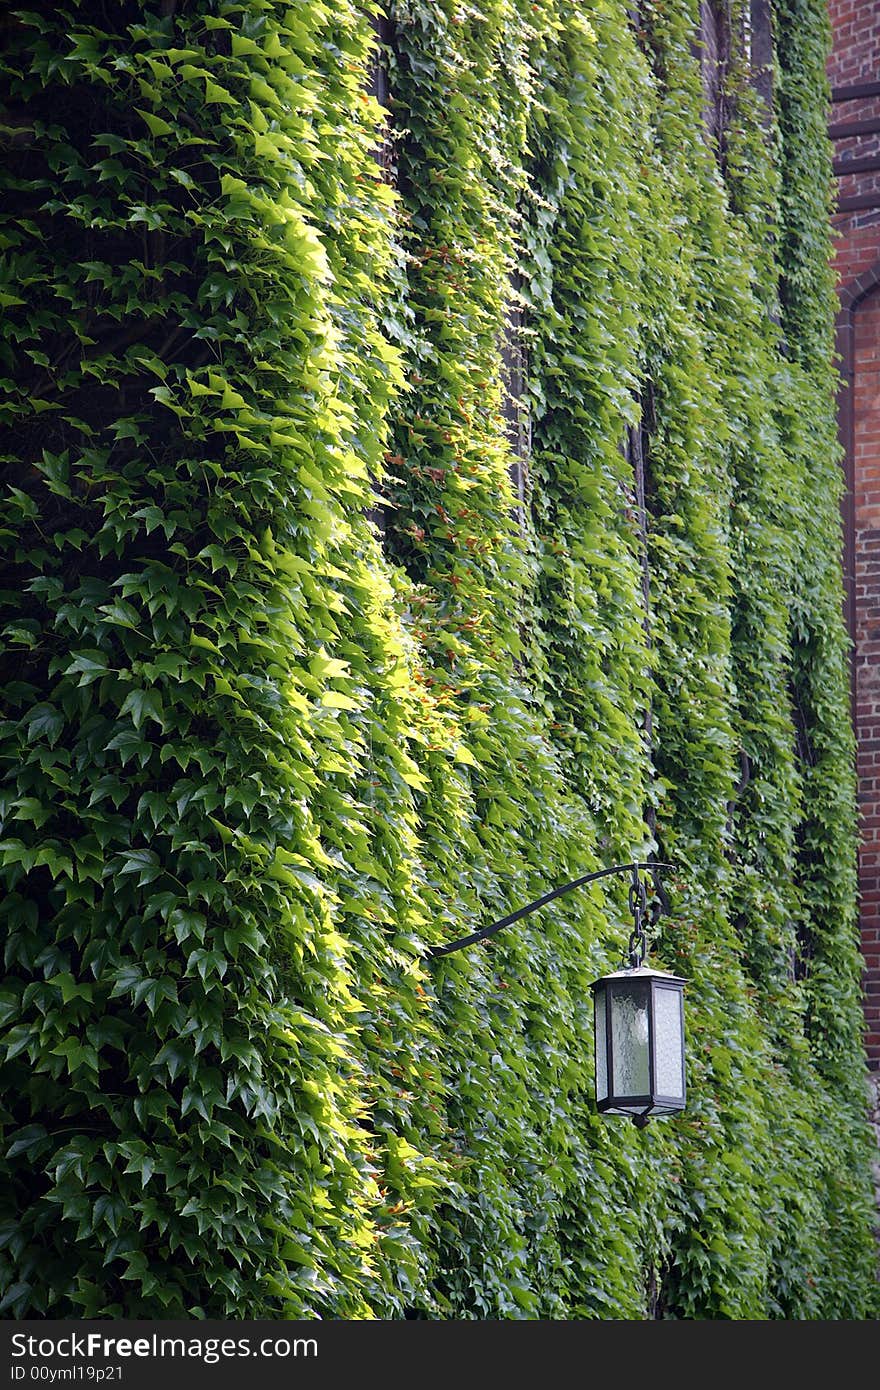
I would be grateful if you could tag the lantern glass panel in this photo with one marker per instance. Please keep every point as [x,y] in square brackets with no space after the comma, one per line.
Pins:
[629,1042]
[601,1047]
[668,1059]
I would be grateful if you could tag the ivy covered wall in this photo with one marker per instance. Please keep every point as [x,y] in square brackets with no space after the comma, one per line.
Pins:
[294,687]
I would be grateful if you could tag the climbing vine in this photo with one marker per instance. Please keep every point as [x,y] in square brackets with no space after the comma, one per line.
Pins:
[261,752]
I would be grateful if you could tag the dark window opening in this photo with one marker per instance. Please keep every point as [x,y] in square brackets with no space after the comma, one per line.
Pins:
[380,88]
[636,449]
[713,48]
[380,85]
[759,52]
[516,414]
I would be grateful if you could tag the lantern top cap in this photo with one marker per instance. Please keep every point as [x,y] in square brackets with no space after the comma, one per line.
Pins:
[639,972]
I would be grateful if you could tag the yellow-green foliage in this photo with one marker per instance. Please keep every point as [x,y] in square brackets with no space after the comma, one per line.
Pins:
[260,757]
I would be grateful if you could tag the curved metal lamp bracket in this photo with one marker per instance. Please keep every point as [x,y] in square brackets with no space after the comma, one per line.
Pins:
[638,903]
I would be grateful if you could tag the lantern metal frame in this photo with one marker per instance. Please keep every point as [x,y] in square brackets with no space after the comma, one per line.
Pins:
[632,975]
[641,984]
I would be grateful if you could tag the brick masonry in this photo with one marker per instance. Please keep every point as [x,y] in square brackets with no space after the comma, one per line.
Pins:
[875,1119]
[856,59]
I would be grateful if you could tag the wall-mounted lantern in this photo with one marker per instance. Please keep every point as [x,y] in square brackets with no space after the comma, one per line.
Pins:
[639,1021]
[639,1031]
[639,1012]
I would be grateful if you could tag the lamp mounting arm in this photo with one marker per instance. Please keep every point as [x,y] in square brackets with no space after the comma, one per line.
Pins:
[636,947]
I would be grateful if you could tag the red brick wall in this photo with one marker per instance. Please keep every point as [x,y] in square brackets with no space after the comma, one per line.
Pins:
[867,634]
[856,59]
